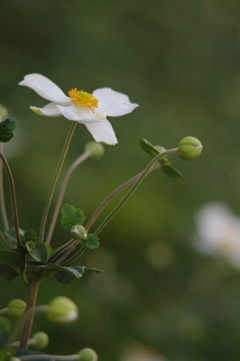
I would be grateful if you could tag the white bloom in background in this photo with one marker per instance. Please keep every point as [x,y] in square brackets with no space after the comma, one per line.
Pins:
[82,107]
[218,232]
[138,352]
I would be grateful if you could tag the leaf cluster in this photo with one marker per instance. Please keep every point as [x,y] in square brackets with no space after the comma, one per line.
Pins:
[6,129]
[164,163]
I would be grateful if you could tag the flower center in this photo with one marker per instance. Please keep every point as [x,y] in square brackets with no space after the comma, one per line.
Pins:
[84,99]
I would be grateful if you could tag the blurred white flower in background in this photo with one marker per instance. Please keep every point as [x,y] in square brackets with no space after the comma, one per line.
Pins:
[218,232]
[139,352]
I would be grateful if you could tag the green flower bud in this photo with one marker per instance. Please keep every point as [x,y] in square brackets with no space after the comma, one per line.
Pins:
[78,232]
[96,149]
[87,354]
[41,339]
[16,308]
[189,148]
[62,310]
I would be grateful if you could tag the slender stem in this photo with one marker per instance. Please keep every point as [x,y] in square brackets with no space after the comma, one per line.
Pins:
[77,254]
[13,200]
[64,256]
[78,161]
[4,310]
[2,201]
[60,250]
[140,179]
[31,341]
[50,357]
[110,197]
[58,170]
[31,302]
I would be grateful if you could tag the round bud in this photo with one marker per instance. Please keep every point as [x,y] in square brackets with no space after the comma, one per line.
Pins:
[87,354]
[16,308]
[41,339]
[96,149]
[78,232]
[189,148]
[62,310]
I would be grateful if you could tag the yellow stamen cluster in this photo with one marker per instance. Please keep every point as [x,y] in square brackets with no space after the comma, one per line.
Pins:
[84,99]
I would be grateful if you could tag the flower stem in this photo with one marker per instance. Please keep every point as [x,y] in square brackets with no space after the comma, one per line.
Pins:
[13,200]
[4,310]
[2,201]
[78,161]
[134,187]
[50,357]
[110,197]
[54,182]
[31,302]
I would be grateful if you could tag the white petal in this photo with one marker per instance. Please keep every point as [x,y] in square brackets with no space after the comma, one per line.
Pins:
[50,110]
[102,132]
[45,88]
[114,103]
[82,115]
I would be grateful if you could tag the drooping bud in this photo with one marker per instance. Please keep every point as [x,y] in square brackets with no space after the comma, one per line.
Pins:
[41,339]
[16,308]
[189,148]
[78,232]
[62,310]
[87,354]
[96,149]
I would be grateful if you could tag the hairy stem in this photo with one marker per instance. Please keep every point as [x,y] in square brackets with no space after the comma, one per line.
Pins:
[78,161]
[2,200]
[110,197]
[31,302]
[13,200]
[134,187]
[58,170]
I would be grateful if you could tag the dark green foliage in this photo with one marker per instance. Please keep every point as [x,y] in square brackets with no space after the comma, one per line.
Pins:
[91,241]
[6,130]
[71,216]
[38,251]
[69,274]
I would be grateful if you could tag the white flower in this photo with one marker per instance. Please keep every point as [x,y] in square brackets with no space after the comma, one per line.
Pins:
[89,109]
[218,232]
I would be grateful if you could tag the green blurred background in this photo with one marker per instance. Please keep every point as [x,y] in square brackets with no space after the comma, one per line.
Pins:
[180,60]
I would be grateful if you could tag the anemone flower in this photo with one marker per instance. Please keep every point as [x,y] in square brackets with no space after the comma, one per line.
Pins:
[80,106]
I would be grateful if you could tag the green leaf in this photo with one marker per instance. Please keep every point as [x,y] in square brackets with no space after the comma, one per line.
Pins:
[4,244]
[6,130]
[171,172]
[30,235]
[69,274]
[148,147]
[71,216]
[8,272]
[11,259]
[38,251]
[92,270]
[12,234]
[91,241]
[5,329]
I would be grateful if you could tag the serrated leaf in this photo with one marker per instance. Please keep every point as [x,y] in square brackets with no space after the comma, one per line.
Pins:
[69,274]
[5,329]
[71,216]
[6,130]
[38,251]
[171,172]
[11,259]
[91,241]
